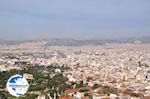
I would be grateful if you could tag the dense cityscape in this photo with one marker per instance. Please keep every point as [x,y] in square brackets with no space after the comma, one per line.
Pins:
[108,71]
[74,49]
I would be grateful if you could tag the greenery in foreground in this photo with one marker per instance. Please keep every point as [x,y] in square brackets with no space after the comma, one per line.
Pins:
[46,82]
[43,81]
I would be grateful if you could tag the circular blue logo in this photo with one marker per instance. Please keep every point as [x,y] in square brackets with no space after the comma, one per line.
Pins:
[17,85]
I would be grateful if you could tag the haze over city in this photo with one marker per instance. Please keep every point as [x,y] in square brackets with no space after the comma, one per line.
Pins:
[74,49]
[34,19]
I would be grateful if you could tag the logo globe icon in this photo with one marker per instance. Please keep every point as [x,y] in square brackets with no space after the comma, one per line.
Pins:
[17,85]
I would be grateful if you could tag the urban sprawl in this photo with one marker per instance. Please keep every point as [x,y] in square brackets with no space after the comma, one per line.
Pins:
[109,71]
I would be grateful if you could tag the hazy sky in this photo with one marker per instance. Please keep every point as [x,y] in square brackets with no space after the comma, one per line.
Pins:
[31,19]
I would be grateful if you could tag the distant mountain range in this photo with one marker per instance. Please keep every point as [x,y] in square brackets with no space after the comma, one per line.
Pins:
[75,42]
